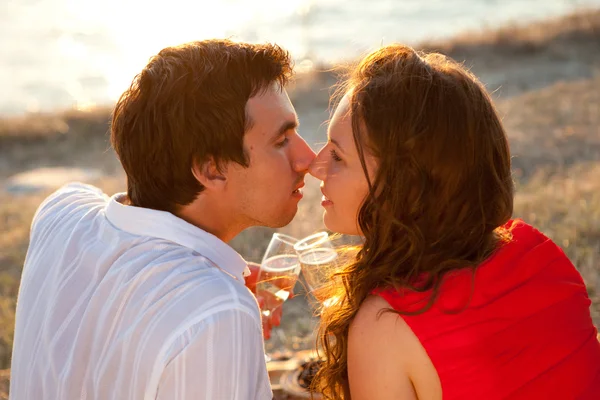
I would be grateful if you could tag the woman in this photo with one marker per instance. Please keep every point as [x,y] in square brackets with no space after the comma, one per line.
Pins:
[447,297]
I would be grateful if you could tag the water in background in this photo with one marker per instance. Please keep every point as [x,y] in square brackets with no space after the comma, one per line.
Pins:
[76,53]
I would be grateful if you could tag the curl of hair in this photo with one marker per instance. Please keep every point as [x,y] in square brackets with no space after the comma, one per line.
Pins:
[441,195]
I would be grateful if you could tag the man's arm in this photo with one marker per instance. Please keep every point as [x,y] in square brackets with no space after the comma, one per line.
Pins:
[221,359]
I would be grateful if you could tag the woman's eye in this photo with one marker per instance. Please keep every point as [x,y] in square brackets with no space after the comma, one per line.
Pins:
[334,155]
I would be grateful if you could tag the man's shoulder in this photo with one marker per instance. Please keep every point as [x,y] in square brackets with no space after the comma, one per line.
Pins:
[72,195]
[77,189]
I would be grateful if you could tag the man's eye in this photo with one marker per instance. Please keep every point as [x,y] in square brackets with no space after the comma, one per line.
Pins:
[282,143]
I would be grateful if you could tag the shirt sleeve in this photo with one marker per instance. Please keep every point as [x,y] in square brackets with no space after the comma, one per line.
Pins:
[222,359]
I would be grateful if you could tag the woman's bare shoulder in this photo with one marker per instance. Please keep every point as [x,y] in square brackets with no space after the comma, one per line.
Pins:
[384,352]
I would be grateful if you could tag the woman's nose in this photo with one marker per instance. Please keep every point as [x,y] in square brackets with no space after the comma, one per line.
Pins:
[318,168]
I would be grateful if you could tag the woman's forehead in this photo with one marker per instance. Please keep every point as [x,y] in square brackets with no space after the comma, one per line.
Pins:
[341,120]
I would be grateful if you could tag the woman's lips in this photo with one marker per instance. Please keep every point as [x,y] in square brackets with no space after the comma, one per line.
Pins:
[325,202]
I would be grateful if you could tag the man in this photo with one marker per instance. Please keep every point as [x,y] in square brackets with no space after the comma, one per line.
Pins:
[138,296]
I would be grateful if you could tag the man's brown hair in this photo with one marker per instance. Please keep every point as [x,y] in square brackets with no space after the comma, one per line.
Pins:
[189,105]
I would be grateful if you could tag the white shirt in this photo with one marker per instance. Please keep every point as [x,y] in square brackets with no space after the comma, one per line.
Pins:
[121,302]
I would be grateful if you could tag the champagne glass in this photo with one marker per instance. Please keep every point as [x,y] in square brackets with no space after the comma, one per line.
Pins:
[318,260]
[278,274]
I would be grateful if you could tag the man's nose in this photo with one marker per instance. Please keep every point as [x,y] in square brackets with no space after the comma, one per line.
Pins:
[304,156]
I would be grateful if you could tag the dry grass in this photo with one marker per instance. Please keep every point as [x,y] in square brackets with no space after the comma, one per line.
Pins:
[515,37]
[15,219]
[4,381]
[71,138]
[550,100]
[566,207]
[555,127]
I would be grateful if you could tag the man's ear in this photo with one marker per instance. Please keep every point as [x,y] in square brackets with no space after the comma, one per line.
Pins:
[209,175]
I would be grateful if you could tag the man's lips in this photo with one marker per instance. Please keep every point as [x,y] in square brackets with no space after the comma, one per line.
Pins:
[297,192]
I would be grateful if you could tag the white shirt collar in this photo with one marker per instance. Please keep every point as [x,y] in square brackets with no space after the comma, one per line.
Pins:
[164,225]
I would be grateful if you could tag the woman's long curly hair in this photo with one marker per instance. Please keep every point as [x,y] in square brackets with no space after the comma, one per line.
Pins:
[440,197]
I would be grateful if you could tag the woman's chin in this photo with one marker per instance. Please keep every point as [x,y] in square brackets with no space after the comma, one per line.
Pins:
[333,223]
[329,221]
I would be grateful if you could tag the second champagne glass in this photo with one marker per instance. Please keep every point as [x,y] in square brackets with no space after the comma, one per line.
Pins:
[318,260]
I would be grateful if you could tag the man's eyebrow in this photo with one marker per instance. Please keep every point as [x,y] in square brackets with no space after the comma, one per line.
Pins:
[287,126]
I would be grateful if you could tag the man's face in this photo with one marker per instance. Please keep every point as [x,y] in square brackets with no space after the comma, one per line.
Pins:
[266,193]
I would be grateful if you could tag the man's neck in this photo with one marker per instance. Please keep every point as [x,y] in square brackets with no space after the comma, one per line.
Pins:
[211,217]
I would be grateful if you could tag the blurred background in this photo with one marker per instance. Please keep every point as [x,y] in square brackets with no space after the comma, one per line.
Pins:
[63,63]
[78,53]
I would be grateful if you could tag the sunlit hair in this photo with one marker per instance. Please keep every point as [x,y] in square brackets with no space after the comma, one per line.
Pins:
[189,105]
[441,194]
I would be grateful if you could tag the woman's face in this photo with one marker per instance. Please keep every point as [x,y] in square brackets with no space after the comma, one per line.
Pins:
[338,165]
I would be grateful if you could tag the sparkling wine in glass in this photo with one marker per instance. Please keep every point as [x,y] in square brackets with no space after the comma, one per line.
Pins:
[318,260]
[279,272]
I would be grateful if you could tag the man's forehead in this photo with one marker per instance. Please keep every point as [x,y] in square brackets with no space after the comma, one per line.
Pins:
[273,96]
[270,108]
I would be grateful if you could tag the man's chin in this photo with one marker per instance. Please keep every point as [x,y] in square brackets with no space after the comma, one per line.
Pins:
[283,220]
